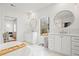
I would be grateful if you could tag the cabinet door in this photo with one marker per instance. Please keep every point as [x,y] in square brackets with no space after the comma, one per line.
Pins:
[51,42]
[66,45]
[57,43]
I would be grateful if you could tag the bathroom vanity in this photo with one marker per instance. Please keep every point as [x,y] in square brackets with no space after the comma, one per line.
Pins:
[67,44]
[62,41]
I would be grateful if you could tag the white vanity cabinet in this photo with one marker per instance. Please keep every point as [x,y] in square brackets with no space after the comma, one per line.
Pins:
[57,43]
[54,43]
[51,43]
[75,46]
[60,44]
[66,45]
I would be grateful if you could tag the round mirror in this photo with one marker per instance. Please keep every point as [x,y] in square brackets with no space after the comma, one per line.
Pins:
[64,18]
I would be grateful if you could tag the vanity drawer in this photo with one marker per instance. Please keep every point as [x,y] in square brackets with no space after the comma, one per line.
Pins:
[75,47]
[75,39]
[75,52]
[75,44]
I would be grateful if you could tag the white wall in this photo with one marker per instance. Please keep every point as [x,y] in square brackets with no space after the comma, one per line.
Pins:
[53,9]
[0,28]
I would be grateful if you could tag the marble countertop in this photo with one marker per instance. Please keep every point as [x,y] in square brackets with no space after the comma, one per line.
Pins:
[64,34]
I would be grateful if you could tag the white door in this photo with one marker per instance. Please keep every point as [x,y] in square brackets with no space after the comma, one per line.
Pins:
[57,43]
[66,45]
[51,42]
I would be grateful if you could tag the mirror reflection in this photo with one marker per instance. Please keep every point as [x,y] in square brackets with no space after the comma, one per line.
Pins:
[64,18]
[44,25]
[9,27]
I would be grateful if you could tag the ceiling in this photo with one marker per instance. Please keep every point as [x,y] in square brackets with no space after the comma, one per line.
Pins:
[24,6]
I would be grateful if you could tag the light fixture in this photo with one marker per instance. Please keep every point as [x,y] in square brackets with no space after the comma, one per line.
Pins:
[8,25]
[12,5]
